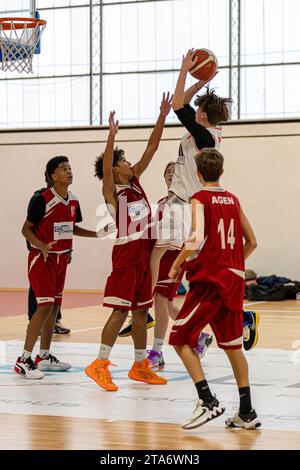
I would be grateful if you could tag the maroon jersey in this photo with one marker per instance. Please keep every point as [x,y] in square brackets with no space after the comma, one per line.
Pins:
[133,221]
[54,219]
[220,260]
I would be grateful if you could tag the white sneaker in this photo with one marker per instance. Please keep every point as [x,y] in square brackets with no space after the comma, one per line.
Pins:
[202,413]
[26,368]
[249,421]
[50,362]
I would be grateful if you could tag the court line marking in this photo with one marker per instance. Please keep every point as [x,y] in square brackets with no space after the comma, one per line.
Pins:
[255,303]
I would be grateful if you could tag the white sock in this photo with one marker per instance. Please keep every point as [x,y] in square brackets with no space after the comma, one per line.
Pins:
[43,352]
[140,355]
[158,344]
[26,354]
[104,351]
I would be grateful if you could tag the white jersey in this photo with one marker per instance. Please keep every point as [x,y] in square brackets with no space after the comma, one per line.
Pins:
[185,180]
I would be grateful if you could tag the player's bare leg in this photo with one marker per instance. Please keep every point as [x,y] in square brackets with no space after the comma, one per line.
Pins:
[156,255]
[173,310]
[35,326]
[47,328]
[46,361]
[191,362]
[112,327]
[239,366]
[161,307]
[246,417]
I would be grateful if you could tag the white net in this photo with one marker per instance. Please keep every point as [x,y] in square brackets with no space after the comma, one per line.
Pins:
[19,38]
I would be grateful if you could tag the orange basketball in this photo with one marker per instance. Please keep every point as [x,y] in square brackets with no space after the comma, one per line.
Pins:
[206,65]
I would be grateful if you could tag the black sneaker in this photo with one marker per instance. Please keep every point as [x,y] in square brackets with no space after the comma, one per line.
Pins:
[248,421]
[202,413]
[128,329]
[250,332]
[59,329]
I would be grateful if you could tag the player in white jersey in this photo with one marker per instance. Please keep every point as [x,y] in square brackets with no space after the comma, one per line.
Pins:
[203,131]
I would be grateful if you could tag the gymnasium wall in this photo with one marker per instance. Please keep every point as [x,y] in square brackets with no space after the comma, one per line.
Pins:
[262,166]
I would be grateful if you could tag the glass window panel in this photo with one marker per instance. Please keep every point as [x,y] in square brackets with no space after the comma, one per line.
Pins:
[136,97]
[60,3]
[65,43]
[268,31]
[270,92]
[46,102]
[154,35]
[291,80]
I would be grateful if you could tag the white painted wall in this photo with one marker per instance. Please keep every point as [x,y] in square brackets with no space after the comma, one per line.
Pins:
[262,166]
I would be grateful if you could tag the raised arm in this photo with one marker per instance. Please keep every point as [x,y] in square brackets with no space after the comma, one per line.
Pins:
[155,137]
[109,187]
[249,236]
[179,96]
[191,92]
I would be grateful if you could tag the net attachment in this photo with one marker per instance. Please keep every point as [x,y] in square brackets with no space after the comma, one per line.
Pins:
[19,41]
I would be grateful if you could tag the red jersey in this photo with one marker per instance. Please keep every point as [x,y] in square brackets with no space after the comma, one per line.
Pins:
[220,259]
[54,219]
[133,221]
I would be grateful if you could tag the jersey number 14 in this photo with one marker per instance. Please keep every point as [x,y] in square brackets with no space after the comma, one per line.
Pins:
[230,239]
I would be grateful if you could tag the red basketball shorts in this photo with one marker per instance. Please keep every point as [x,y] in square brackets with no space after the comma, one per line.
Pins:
[47,278]
[164,285]
[203,305]
[129,288]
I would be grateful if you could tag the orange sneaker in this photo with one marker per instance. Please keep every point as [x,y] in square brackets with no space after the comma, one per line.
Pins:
[141,371]
[98,371]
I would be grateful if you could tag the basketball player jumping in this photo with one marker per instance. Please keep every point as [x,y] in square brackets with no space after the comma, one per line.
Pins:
[203,131]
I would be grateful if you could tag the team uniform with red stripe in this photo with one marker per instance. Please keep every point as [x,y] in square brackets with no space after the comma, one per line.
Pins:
[54,219]
[216,276]
[129,285]
[175,226]
[164,285]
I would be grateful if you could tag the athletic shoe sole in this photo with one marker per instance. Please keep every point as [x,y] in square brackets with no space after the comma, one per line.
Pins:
[194,424]
[250,426]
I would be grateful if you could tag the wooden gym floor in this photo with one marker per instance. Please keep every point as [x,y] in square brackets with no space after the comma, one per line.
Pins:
[279,329]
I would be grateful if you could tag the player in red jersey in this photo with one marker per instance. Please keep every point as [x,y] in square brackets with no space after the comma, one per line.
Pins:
[49,228]
[164,293]
[129,285]
[215,256]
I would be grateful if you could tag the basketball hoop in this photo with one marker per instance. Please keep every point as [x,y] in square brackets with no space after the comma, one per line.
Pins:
[19,41]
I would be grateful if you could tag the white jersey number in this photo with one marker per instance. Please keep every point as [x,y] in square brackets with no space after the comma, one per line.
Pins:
[230,234]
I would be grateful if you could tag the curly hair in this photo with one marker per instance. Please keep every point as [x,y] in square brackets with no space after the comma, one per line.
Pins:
[216,108]
[98,165]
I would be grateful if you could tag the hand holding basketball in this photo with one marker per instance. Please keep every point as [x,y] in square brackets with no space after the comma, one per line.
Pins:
[113,125]
[165,106]
[189,60]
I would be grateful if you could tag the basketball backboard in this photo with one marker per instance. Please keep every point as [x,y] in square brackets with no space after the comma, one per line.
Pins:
[17,8]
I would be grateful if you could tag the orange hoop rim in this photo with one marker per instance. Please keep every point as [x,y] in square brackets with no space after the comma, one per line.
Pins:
[30,22]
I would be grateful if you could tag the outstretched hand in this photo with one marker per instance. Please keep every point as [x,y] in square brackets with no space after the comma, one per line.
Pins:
[189,60]
[165,106]
[113,125]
